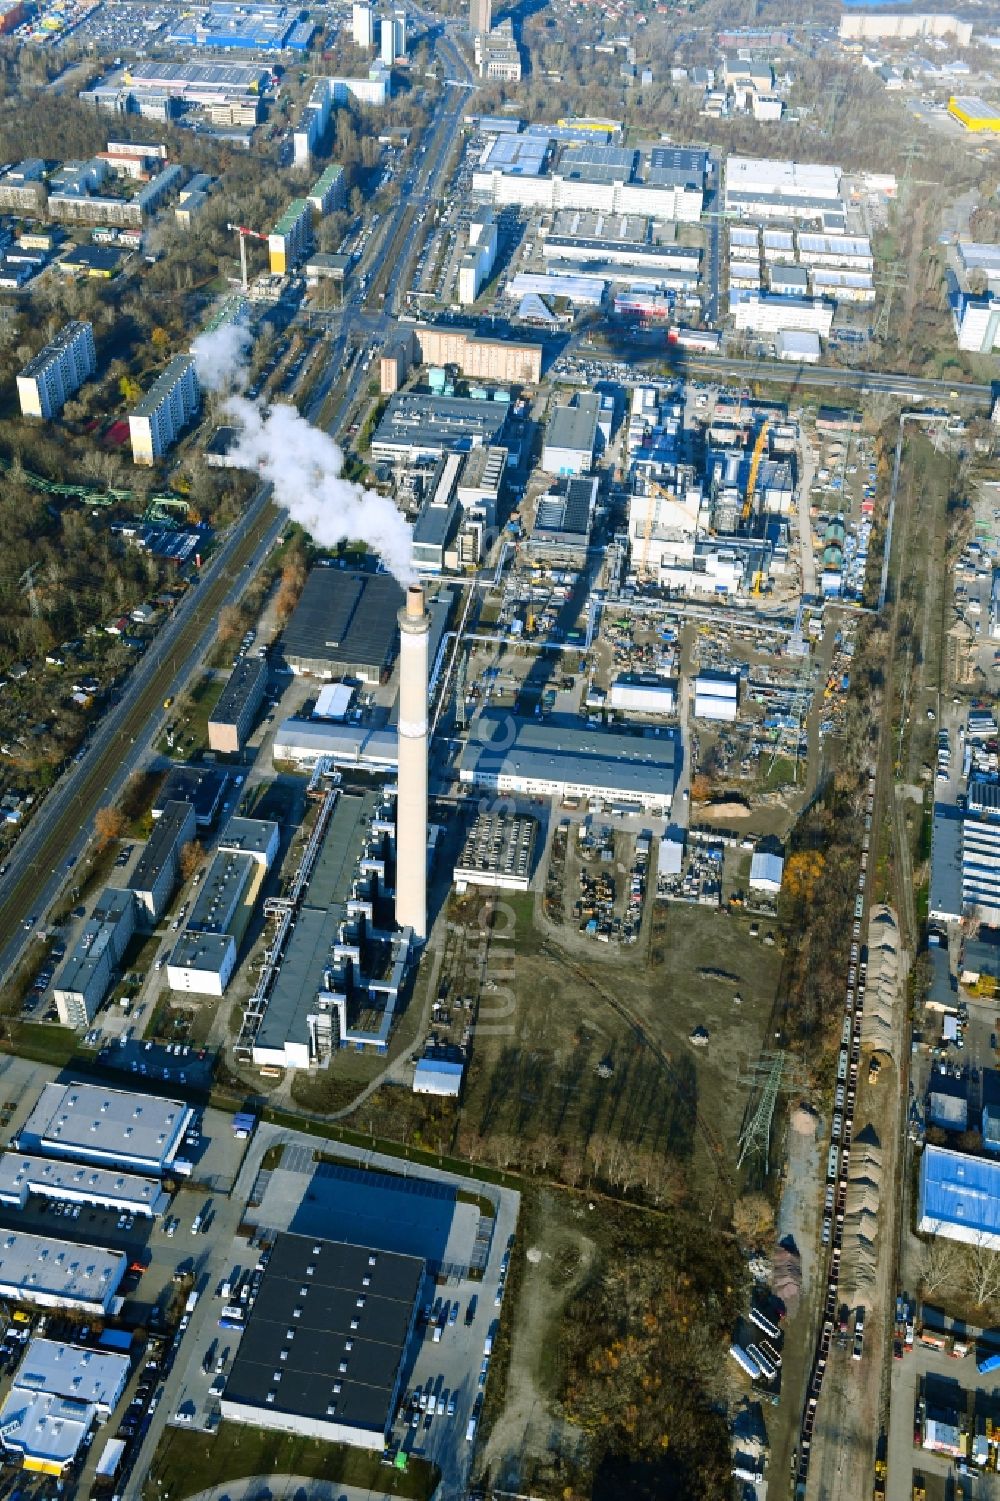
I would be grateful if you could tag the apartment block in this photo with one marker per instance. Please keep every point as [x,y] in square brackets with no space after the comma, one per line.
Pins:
[48,381]
[289,240]
[164,411]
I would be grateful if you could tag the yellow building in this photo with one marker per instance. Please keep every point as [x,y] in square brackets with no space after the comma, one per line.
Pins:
[974,113]
[288,242]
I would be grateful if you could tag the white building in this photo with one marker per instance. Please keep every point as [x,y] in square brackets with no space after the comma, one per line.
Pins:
[374,90]
[74,1183]
[59,1393]
[767,108]
[642,693]
[48,381]
[88,971]
[762,188]
[800,347]
[761,314]
[766,869]
[440,1077]
[716,696]
[50,1273]
[362,24]
[167,408]
[477,263]
[107,1127]
[977,324]
[392,36]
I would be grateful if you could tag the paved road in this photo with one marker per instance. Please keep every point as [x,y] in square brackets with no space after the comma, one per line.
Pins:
[121,740]
[288,1488]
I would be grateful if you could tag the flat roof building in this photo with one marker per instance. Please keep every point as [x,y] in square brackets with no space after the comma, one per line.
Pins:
[89,969]
[52,1273]
[478,356]
[257,837]
[204,957]
[416,425]
[164,411]
[549,759]
[22,1175]
[323,1351]
[155,877]
[959,1197]
[202,786]
[498,852]
[233,717]
[90,1123]
[344,624]
[571,435]
[564,519]
[58,1394]
[48,381]
[290,239]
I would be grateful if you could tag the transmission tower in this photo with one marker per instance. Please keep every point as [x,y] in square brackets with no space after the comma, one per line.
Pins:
[892,279]
[772,1075]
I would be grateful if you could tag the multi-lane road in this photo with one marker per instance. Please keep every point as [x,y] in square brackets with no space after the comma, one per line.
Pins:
[40,862]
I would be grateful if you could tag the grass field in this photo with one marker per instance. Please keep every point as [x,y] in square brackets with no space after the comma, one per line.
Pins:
[187,1463]
[190,719]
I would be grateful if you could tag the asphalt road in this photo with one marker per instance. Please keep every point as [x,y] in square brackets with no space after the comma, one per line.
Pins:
[63,824]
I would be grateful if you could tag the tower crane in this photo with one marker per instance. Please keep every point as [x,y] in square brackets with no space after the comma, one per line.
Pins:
[755,458]
[245,234]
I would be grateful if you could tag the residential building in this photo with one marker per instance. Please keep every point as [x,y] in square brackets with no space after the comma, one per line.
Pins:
[90,968]
[362,24]
[233,717]
[477,356]
[48,381]
[903,26]
[164,411]
[329,191]
[497,54]
[290,239]
[157,872]
[480,16]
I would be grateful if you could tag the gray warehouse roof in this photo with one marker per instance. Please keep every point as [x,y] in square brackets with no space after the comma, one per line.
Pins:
[436,424]
[253,836]
[88,1120]
[350,1311]
[42,1265]
[547,750]
[345,618]
[575,427]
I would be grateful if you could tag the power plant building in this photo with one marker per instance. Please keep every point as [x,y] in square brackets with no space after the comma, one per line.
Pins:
[418,426]
[164,411]
[344,625]
[48,381]
[541,758]
[572,435]
[411,780]
[324,1349]
[498,852]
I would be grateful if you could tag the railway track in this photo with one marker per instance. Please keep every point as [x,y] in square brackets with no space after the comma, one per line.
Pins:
[91,784]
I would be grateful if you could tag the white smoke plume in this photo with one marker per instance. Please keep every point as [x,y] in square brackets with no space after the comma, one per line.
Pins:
[303,463]
[220,357]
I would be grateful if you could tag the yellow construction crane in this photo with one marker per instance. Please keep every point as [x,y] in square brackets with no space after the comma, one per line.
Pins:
[653,491]
[755,458]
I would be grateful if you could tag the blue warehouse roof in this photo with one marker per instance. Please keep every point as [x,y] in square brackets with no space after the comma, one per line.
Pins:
[959,1196]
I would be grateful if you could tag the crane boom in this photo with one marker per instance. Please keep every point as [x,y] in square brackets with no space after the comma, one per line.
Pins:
[757,455]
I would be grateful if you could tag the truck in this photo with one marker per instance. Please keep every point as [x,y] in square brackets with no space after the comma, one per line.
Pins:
[192,1301]
[988,1360]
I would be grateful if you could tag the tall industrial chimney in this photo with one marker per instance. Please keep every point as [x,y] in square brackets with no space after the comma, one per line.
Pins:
[411,807]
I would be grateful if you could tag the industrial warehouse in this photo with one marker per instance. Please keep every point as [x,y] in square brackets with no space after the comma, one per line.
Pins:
[92,1124]
[351,1312]
[344,624]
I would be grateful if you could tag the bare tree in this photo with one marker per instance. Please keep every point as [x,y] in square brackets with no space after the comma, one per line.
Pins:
[938,1265]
